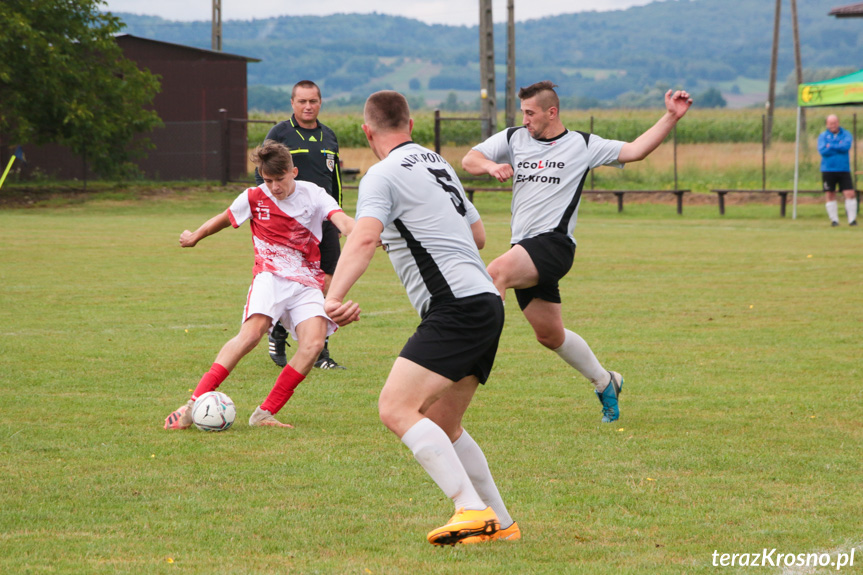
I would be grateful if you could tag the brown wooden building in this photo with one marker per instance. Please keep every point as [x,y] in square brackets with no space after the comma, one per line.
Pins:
[848,11]
[203,103]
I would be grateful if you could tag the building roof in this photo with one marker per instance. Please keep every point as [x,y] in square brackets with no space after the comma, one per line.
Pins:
[212,53]
[849,11]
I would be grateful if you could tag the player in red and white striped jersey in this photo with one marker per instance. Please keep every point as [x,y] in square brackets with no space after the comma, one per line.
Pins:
[286,218]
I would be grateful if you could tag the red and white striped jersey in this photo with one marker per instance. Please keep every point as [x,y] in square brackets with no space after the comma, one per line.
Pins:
[286,233]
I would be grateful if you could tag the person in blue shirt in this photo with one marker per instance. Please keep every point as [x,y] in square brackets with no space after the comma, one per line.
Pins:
[833,145]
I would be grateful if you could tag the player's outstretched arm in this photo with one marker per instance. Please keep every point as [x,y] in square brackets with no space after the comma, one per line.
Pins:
[213,225]
[344,222]
[676,105]
[475,164]
[353,262]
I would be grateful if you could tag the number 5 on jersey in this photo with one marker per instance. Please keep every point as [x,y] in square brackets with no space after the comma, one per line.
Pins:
[442,177]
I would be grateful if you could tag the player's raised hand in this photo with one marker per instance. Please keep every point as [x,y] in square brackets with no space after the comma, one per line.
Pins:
[678,102]
[342,313]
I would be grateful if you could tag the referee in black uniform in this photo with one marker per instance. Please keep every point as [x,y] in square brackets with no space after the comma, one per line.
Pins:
[315,152]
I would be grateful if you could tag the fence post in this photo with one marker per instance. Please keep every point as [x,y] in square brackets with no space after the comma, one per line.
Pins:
[84,164]
[223,117]
[855,151]
[763,152]
[856,191]
[675,157]
[591,171]
[437,130]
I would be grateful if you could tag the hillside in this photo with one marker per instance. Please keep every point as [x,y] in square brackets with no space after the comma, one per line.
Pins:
[598,58]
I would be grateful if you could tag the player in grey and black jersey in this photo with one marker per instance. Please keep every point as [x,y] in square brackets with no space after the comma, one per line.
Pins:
[549,165]
[413,203]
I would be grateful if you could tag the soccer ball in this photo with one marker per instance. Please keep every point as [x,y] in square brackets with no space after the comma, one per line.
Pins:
[214,411]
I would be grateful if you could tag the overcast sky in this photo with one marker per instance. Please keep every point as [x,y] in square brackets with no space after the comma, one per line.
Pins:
[455,12]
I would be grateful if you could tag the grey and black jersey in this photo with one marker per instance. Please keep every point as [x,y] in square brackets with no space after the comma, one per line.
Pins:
[418,198]
[548,176]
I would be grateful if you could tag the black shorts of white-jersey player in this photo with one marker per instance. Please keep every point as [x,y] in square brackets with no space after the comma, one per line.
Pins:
[315,152]
[548,165]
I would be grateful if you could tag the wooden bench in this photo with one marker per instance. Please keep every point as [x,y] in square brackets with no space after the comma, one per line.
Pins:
[617,193]
[783,195]
[350,173]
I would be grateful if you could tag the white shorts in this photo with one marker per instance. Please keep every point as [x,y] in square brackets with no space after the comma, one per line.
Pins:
[286,301]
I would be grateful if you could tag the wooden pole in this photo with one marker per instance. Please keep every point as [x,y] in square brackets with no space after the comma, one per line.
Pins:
[798,65]
[771,96]
[764,138]
[437,130]
[486,69]
[217,25]
[591,171]
[855,158]
[675,157]
[510,63]
[226,163]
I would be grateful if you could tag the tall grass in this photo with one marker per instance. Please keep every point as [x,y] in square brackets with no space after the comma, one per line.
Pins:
[700,168]
[699,126]
[715,148]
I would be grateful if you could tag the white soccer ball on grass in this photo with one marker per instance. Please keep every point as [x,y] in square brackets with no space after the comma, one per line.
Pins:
[214,411]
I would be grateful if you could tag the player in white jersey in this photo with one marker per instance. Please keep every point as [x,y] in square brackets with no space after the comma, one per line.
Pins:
[413,203]
[286,218]
[549,165]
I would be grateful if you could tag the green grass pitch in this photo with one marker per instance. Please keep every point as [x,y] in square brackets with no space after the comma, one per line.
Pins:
[741,429]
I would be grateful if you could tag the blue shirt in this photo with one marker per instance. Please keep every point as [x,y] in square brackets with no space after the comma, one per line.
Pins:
[834,150]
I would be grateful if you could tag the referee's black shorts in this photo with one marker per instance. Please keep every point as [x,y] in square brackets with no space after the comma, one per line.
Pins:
[458,337]
[552,253]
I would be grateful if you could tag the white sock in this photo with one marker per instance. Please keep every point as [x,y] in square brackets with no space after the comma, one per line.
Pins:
[832,210]
[434,451]
[475,464]
[578,354]
[851,209]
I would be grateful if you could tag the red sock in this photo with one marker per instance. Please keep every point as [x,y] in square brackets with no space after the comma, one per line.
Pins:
[211,380]
[286,383]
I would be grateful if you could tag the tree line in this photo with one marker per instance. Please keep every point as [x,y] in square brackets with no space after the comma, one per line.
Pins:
[689,43]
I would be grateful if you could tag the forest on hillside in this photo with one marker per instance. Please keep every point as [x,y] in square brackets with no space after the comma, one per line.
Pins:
[597,58]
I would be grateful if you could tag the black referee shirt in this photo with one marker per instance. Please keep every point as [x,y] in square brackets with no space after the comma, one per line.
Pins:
[315,154]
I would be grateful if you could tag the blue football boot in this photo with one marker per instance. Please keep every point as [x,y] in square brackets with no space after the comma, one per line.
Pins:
[608,398]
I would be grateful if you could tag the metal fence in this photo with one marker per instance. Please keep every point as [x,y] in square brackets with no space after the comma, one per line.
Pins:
[205,150]
[209,150]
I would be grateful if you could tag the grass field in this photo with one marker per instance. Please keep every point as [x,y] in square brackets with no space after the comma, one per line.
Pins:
[742,419]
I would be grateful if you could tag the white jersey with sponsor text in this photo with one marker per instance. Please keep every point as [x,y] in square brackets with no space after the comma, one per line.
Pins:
[548,176]
[418,198]
[286,233]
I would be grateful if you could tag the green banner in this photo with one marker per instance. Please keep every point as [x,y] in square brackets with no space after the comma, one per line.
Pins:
[836,92]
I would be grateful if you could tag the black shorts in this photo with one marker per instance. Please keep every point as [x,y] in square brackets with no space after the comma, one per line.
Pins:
[552,253]
[832,179]
[458,337]
[330,248]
